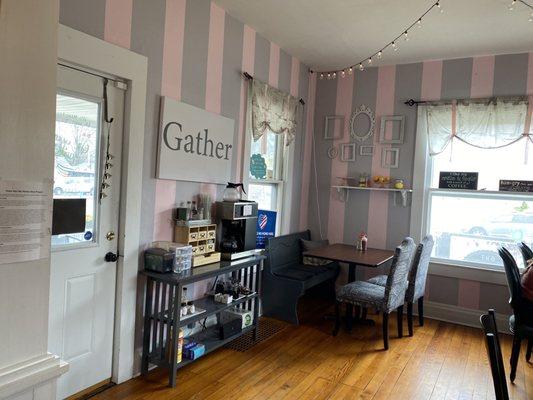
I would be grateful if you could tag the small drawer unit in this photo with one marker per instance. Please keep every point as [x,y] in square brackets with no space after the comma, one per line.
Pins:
[202,239]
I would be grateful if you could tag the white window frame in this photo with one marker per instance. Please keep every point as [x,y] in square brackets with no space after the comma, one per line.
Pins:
[422,173]
[283,185]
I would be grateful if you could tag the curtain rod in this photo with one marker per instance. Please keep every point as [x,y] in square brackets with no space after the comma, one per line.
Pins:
[412,102]
[251,78]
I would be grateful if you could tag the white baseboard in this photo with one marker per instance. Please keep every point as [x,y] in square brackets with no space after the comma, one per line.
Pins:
[462,316]
[28,374]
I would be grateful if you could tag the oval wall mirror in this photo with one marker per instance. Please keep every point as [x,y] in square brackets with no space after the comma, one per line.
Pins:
[362,123]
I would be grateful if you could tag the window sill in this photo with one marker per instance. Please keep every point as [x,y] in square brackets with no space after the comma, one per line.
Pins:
[472,273]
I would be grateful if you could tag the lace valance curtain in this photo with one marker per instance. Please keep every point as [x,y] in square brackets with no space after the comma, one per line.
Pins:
[486,124]
[272,110]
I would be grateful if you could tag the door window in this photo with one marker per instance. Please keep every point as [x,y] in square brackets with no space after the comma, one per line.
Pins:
[77,149]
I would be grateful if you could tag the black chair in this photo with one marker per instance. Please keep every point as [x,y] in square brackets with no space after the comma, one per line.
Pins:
[526,251]
[521,322]
[492,342]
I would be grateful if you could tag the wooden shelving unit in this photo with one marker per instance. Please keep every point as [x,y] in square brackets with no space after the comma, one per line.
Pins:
[344,191]
[162,317]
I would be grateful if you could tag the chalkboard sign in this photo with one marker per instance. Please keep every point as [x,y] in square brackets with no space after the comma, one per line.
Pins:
[516,186]
[458,180]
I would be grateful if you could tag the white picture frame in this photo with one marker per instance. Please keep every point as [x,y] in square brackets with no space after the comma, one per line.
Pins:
[348,152]
[365,112]
[390,157]
[398,127]
[366,150]
[333,127]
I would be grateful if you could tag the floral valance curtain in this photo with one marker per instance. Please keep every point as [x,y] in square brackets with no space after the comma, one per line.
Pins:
[272,110]
[486,124]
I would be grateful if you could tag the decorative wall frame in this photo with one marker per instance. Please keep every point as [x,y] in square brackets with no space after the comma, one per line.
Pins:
[362,111]
[348,151]
[333,127]
[366,150]
[390,157]
[333,152]
[398,127]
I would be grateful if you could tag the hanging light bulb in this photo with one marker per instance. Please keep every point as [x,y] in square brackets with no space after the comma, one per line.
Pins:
[439,7]
[530,17]
[350,70]
[329,75]
[395,48]
[369,61]
[406,36]
[334,75]
[380,53]
[419,23]
[343,74]
[321,76]
[361,67]
[511,6]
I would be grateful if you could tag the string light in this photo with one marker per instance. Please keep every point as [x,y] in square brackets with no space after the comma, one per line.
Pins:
[379,53]
[513,4]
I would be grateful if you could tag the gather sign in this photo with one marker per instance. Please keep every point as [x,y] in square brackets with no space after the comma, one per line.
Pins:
[194,144]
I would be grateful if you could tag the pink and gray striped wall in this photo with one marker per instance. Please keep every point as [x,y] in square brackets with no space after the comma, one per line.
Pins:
[196,53]
[384,89]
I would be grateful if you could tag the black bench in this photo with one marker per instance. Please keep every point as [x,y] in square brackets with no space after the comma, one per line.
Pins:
[285,278]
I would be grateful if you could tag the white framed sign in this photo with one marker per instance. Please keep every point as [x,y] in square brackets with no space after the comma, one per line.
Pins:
[194,144]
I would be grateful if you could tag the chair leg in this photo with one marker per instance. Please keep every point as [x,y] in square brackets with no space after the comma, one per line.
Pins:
[514,355]
[529,348]
[421,311]
[337,318]
[410,318]
[399,315]
[386,330]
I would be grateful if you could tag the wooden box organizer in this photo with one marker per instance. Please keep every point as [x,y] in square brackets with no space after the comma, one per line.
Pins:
[202,239]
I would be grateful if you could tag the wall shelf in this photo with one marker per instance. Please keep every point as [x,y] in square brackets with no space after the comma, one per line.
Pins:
[344,191]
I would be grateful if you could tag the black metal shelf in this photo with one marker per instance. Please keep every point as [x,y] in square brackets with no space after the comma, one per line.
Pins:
[209,338]
[162,319]
[210,306]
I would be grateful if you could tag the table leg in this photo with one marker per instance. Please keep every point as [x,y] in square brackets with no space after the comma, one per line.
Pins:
[352,268]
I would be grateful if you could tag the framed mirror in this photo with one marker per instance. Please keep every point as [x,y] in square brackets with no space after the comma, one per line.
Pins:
[362,123]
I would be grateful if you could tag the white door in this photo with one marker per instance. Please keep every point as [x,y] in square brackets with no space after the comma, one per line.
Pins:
[82,282]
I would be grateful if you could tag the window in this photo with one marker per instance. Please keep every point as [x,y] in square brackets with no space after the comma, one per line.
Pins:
[76,160]
[266,172]
[470,225]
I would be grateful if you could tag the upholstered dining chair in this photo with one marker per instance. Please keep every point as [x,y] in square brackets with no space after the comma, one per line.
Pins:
[494,352]
[386,298]
[521,322]
[417,281]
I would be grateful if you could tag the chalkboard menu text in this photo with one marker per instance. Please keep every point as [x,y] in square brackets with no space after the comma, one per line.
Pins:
[458,180]
[515,186]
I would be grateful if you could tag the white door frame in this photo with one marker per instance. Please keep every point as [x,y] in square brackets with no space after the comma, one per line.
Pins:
[83,50]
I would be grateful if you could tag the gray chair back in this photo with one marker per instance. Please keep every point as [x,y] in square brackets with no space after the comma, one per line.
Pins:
[397,280]
[419,270]
[285,250]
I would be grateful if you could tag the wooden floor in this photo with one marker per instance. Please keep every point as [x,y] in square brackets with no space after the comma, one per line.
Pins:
[441,361]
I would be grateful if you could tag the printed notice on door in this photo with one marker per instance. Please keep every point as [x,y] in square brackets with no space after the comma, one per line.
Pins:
[25,220]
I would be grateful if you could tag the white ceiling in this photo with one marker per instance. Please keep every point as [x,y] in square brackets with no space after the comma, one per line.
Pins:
[332,34]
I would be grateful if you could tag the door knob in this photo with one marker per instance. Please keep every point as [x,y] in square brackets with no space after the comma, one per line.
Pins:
[111,257]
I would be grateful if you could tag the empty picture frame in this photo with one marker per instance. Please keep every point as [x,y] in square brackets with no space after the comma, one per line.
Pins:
[392,129]
[334,127]
[348,151]
[366,150]
[390,157]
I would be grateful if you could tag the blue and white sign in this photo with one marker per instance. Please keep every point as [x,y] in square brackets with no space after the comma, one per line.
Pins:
[266,227]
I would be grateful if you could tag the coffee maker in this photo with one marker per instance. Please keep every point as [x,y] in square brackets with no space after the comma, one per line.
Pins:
[237,228]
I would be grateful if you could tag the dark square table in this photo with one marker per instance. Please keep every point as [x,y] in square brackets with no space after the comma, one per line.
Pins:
[349,254]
